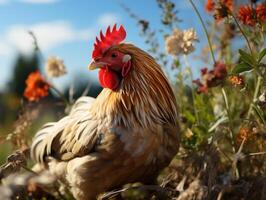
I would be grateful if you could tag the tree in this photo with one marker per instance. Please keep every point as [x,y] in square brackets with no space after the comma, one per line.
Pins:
[24,65]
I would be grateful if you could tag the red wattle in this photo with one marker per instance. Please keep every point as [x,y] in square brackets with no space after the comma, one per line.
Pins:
[108,79]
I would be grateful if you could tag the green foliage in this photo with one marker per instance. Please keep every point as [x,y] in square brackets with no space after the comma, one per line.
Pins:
[240,68]
[261,55]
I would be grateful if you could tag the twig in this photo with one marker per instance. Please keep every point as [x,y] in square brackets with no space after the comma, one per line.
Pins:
[256,154]
[142,187]
[237,156]
[14,163]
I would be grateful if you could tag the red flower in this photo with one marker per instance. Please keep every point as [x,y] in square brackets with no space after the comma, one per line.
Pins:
[201,88]
[249,16]
[211,78]
[246,15]
[209,6]
[36,88]
[220,71]
[204,71]
[261,13]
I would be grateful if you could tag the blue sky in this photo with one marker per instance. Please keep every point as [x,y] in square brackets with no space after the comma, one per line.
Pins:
[67,28]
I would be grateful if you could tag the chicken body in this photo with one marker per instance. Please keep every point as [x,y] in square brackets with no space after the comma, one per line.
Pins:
[120,137]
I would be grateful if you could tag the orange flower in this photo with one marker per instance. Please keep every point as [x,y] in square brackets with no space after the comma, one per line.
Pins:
[244,134]
[221,8]
[228,4]
[249,16]
[261,13]
[36,88]
[237,80]
[209,6]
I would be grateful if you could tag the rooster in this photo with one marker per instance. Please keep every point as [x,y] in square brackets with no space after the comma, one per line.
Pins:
[127,134]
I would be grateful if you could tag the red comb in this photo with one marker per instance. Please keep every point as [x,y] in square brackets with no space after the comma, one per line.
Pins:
[111,38]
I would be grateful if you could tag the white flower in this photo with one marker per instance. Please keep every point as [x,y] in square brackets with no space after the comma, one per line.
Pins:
[181,42]
[262,100]
[55,67]
[189,37]
[172,43]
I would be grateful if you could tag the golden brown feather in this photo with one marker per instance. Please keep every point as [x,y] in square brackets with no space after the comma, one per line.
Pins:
[122,136]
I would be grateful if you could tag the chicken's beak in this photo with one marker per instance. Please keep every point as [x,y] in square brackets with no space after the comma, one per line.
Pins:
[94,65]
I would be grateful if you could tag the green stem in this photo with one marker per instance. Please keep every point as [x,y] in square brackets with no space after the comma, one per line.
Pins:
[192,91]
[229,119]
[230,129]
[260,74]
[243,33]
[60,95]
[205,30]
[255,96]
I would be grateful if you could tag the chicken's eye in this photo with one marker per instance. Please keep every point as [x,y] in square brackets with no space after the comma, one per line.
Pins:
[114,55]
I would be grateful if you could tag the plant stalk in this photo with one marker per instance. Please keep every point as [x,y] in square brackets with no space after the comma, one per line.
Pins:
[255,96]
[243,33]
[205,29]
[60,95]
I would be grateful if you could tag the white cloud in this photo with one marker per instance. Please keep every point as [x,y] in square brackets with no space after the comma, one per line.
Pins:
[5,49]
[3,2]
[108,19]
[39,1]
[49,35]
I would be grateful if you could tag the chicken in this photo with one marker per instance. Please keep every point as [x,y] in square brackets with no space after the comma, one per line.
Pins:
[127,134]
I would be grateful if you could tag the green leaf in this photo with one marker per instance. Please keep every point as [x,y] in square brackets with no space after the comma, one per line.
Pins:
[189,116]
[261,55]
[241,67]
[246,58]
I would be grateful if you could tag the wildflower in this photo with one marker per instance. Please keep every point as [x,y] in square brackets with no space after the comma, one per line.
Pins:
[211,78]
[209,6]
[246,15]
[181,42]
[236,80]
[216,76]
[204,71]
[222,8]
[189,37]
[36,87]
[262,100]
[249,16]
[55,67]
[228,3]
[244,134]
[189,134]
[201,87]
[261,13]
